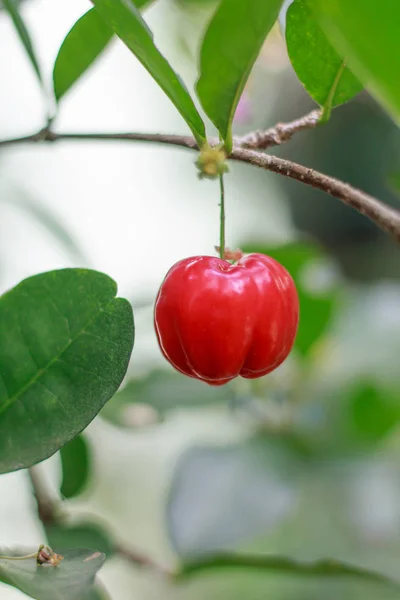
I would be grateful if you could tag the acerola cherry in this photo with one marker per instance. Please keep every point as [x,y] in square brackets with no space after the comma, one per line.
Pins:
[215,321]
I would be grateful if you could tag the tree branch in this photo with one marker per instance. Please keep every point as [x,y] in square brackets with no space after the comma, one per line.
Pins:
[282,132]
[140,560]
[45,135]
[385,217]
[49,514]
[45,505]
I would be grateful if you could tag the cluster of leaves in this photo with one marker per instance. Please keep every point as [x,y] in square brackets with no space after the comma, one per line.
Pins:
[66,340]
[328,43]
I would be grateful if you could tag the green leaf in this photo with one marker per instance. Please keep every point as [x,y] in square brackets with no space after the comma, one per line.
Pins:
[83,44]
[318,66]
[230,48]
[86,40]
[282,564]
[128,24]
[164,391]
[316,283]
[85,535]
[393,181]
[371,412]
[48,220]
[12,6]
[75,462]
[210,507]
[366,32]
[69,581]
[65,343]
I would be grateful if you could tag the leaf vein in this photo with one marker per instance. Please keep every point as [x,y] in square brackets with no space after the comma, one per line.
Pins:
[51,362]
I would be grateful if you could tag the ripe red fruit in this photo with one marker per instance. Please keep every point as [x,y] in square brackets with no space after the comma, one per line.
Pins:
[215,321]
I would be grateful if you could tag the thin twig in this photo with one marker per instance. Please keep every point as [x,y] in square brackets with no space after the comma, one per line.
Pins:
[140,560]
[385,217]
[45,505]
[49,515]
[48,136]
[282,132]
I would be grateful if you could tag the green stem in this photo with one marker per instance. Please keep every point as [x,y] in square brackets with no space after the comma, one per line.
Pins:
[34,555]
[222,218]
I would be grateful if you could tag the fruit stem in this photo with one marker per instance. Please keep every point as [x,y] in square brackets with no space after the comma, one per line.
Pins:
[26,557]
[222,218]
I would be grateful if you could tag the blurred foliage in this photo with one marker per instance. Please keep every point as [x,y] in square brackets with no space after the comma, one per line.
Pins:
[359,129]
[75,465]
[372,413]
[316,281]
[97,593]
[69,583]
[85,535]
[12,7]
[222,495]
[163,390]
[17,2]
[23,201]
[234,584]
[394,182]
[267,563]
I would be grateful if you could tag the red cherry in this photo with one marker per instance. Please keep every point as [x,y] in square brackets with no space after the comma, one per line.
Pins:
[215,321]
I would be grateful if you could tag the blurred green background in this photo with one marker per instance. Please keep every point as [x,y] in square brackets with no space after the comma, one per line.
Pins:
[302,463]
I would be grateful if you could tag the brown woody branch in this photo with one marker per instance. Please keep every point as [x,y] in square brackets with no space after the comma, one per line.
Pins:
[138,559]
[282,132]
[49,514]
[385,217]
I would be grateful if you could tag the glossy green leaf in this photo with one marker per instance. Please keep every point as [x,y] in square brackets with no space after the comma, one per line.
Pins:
[85,535]
[317,64]
[316,283]
[85,41]
[366,32]
[285,565]
[48,220]
[126,21]
[65,343]
[83,44]
[164,391]
[75,463]
[230,48]
[71,580]
[221,496]
[12,6]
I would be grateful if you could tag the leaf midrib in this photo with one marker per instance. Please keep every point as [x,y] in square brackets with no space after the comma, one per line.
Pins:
[35,378]
[328,104]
